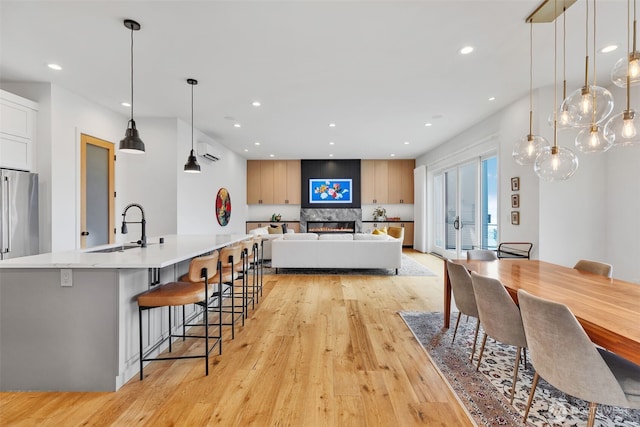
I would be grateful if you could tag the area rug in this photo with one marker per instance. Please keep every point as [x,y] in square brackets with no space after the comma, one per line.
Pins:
[409,268]
[486,393]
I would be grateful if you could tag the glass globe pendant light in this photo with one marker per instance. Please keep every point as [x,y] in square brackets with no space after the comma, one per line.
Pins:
[555,163]
[131,143]
[622,129]
[592,138]
[591,103]
[192,165]
[527,148]
[563,118]
[626,71]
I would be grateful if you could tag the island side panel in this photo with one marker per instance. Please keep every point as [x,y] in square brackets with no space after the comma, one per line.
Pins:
[58,338]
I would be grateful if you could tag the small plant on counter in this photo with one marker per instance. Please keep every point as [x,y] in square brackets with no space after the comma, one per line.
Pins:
[379,214]
[276,217]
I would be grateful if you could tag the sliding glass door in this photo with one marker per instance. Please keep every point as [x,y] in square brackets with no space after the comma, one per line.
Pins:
[465,207]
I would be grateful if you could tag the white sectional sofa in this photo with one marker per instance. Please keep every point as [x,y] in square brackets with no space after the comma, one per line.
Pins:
[310,250]
[263,233]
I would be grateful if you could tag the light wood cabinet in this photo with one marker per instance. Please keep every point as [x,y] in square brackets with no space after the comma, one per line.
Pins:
[17,128]
[374,183]
[387,181]
[273,182]
[401,181]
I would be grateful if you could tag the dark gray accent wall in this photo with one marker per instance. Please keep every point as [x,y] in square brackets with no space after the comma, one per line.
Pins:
[344,168]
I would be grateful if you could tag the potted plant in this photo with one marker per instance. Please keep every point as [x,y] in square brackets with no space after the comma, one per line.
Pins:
[379,214]
[276,217]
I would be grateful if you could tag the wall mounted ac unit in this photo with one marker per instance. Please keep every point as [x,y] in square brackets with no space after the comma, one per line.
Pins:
[208,152]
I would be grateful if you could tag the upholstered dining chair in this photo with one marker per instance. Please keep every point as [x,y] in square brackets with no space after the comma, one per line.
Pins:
[500,318]
[481,255]
[562,353]
[464,298]
[595,267]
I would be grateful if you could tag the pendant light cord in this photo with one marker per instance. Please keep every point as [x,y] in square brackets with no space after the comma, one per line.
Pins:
[554,150]
[530,78]
[132,74]
[564,53]
[593,110]
[628,48]
[192,118]
[586,47]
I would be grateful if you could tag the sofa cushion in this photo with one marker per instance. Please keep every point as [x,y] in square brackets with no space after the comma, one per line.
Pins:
[378,231]
[365,236]
[300,236]
[260,231]
[275,229]
[337,236]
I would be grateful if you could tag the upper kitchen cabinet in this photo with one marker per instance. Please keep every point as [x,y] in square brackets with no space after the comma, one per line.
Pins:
[401,181]
[273,182]
[375,181]
[17,131]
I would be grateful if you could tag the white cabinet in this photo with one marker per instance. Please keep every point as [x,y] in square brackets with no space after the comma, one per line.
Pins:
[17,131]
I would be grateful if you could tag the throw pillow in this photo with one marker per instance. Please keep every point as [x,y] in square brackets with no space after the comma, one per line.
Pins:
[379,230]
[284,228]
[275,229]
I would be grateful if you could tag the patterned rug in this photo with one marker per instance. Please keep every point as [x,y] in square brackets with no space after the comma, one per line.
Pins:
[486,393]
[409,268]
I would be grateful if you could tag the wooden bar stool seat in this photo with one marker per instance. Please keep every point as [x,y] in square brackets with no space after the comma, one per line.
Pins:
[175,294]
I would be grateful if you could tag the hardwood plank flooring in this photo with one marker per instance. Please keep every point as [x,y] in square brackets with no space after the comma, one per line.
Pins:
[316,351]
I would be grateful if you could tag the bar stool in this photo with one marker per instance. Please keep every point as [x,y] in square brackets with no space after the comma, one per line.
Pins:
[248,280]
[175,294]
[226,275]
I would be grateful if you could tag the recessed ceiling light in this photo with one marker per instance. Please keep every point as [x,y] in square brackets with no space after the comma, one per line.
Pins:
[393,155]
[272,155]
[125,104]
[428,124]
[237,125]
[256,103]
[493,98]
[54,67]
[246,150]
[608,49]
[332,143]
[466,50]
[330,155]
[406,143]
[256,143]
[332,125]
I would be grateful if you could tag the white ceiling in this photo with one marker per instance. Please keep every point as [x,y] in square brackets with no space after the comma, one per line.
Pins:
[380,70]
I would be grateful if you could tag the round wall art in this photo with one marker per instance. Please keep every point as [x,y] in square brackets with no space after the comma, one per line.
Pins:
[223,207]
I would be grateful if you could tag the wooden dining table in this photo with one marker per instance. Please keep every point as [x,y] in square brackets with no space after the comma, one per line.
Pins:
[608,309]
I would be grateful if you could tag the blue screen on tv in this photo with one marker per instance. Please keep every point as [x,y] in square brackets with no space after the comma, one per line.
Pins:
[333,190]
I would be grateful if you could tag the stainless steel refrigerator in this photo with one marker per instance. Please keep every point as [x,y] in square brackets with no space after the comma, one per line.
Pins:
[18,214]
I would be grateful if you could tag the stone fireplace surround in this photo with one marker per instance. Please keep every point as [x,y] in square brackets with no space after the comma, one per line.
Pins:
[331,214]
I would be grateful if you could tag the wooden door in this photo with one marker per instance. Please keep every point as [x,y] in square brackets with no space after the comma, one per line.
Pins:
[293,182]
[367,182]
[97,192]
[253,182]
[280,182]
[381,181]
[408,233]
[406,181]
[267,182]
[395,181]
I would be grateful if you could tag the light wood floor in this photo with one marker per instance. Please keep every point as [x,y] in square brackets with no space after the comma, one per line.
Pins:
[317,351]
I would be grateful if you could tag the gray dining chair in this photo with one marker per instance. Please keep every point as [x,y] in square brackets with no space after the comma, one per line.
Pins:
[595,267]
[562,353]
[500,318]
[481,255]
[464,298]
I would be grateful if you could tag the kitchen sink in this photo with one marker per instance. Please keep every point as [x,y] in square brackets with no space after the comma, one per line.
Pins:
[120,248]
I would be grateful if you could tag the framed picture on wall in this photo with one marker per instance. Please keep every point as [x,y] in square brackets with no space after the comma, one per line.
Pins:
[515,217]
[515,183]
[515,200]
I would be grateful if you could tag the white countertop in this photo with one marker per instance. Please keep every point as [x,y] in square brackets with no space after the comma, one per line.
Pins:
[155,255]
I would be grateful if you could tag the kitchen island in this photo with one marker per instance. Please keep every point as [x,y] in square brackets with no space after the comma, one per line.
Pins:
[69,320]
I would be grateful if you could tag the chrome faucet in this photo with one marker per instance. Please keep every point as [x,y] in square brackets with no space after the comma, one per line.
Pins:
[143,240]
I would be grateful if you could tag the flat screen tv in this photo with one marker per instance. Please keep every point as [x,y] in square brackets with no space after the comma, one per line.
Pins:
[330,190]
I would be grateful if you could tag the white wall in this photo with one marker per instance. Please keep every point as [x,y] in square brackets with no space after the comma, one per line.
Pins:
[196,193]
[593,215]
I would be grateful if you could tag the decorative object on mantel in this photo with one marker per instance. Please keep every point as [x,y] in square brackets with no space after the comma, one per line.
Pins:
[223,207]
[276,217]
[379,214]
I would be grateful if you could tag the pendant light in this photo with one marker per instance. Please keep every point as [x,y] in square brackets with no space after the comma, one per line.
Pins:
[627,70]
[622,129]
[527,148]
[592,139]
[132,142]
[192,165]
[590,104]
[555,163]
[564,119]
